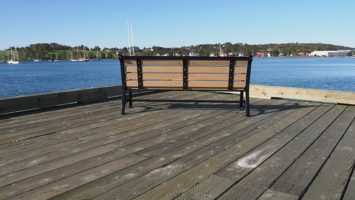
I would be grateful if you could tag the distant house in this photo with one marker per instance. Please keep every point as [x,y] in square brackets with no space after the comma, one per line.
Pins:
[339,53]
[260,54]
[269,52]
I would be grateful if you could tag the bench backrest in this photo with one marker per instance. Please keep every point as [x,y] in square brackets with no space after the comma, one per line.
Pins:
[185,73]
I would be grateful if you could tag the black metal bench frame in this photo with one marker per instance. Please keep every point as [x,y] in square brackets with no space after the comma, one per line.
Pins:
[127,93]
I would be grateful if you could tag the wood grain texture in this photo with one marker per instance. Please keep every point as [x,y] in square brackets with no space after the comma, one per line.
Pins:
[215,133]
[217,155]
[155,69]
[256,182]
[275,195]
[182,150]
[298,177]
[331,181]
[350,190]
[330,96]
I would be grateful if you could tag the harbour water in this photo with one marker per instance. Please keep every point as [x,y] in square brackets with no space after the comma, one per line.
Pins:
[29,78]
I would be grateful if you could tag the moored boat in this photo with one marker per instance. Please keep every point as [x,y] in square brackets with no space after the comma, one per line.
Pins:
[14,58]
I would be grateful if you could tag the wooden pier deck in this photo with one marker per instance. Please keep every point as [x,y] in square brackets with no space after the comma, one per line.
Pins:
[180,150]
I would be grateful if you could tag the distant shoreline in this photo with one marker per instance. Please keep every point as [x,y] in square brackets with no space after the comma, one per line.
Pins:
[51,51]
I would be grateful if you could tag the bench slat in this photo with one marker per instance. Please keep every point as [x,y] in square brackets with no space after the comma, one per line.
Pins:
[241,63]
[133,84]
[204,69]
[155,84]
[154,62]
[240,70]
[214,84]
[163,69]
[220,77]
[178,69]
[130,62]
[133,76]
[162,62]
[205,77]
[206,63]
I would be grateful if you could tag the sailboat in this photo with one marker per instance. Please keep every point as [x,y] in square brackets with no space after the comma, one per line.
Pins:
[36,60]
[50,57]
[72,57]
[85,57]
[56,57]
[97,55]
[14,58]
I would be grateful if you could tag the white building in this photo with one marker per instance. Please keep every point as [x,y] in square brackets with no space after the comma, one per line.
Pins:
[339,53]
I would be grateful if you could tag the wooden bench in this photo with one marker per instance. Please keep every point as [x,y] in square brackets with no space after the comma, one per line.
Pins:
[185,73]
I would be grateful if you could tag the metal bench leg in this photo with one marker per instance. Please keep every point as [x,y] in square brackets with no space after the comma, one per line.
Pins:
[124,101]
[241,100]
[130,99]
[247,103]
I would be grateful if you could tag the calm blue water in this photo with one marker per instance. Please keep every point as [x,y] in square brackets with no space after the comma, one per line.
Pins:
[33,78]
[319,73]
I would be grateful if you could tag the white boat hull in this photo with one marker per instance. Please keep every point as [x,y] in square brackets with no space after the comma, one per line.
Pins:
[13,62]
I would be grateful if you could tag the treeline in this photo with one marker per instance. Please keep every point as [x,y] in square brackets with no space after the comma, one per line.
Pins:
[286,49]
[46,51]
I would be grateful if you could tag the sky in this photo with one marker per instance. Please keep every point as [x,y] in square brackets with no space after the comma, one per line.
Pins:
[173,23]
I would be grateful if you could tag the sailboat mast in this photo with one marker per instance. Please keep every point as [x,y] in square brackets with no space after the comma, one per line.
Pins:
[132,40]
[16,55]
[129,39]
[12,54]
[77,52]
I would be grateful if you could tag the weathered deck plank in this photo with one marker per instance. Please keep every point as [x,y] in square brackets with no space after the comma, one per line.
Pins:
[182,150]
[222,145]
[275,195]
[234,171]
[350,189]
[49,165]
[51,176]
[298,177]
[94,147]
[332,179]
[39,130]
[213,164]
[256,182]
[117,179]
[97,121]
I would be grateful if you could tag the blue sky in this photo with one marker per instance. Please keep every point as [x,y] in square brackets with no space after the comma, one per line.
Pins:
[176,22]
